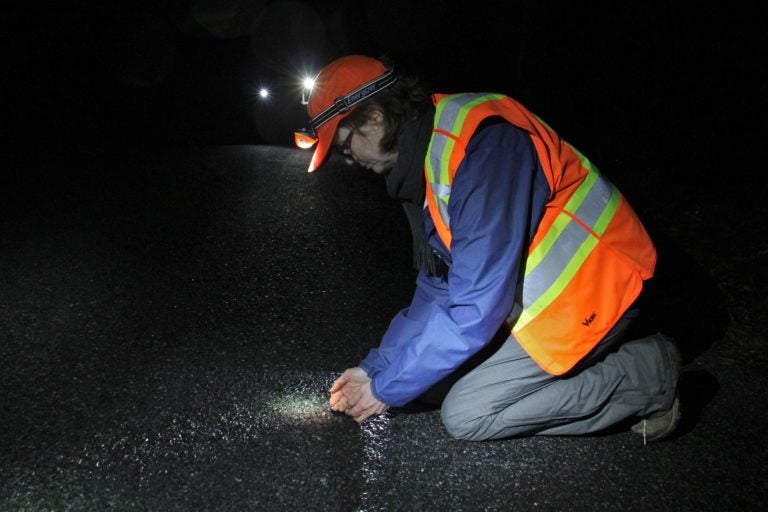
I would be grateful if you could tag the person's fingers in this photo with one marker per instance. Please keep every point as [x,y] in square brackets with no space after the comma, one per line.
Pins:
[352,396]
[359,411]
[340,406]
[367,413]
[363,414]
[339,383]
[338,402]
[334,399]
[353,405]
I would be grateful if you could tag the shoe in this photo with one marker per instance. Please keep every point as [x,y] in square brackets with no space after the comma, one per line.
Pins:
[656,429]
[661,426]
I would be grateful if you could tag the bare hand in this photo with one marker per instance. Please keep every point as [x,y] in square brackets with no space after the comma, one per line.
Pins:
[351,377]
[364,405]
[351,394]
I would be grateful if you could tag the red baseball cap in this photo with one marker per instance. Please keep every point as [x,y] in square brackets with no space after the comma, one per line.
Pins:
[339,87]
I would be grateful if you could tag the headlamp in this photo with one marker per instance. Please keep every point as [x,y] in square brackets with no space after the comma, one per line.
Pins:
[307,137]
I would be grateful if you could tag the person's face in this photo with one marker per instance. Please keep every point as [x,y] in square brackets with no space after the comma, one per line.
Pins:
[362,145]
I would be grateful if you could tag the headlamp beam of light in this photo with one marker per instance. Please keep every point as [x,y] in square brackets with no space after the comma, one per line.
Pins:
[305,138]
[306,90]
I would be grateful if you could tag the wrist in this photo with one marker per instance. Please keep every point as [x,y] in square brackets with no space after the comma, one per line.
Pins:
[367,369]
[374,392]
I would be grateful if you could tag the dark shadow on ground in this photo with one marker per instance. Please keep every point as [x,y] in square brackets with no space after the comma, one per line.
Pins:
[697,389]
[682,301]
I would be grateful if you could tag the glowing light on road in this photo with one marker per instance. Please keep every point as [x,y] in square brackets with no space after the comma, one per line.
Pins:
[300,407]
[263,93]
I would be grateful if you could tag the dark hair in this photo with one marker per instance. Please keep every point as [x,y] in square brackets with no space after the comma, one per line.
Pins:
[406,99]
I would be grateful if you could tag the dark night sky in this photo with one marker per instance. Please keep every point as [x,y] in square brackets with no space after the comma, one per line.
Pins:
[93,74]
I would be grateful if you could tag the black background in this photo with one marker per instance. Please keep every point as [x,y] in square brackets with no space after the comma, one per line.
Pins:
[186,72]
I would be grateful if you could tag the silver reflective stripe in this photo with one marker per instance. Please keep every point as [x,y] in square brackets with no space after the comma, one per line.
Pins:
[438,144]
[594,204]
[548,271]
[452,110]
[450,118]
[567,245]
[441,190]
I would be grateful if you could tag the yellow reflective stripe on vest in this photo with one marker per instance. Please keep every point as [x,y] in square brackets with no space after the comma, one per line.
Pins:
[450,116]
[567,244]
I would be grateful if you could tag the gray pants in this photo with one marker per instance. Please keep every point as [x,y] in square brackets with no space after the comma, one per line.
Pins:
[510,395]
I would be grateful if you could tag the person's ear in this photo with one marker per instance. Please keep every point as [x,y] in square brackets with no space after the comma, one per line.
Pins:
[376,116]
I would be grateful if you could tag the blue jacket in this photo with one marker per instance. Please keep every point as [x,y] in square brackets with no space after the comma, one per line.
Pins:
[498,196]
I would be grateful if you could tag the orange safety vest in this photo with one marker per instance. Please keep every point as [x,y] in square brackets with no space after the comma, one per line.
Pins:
[590,254]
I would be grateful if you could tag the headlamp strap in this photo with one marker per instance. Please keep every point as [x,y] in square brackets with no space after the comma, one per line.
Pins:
[343,103]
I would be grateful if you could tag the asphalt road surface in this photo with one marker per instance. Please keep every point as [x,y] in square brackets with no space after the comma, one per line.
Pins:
[170,321]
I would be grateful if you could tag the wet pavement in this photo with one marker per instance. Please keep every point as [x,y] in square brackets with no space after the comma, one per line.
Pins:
[170,327]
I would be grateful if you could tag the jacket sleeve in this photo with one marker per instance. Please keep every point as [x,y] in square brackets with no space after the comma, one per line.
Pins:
[406,326]
[497,198]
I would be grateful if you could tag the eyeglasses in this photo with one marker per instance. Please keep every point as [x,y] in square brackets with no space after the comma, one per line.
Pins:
[307,137]
[346,145]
